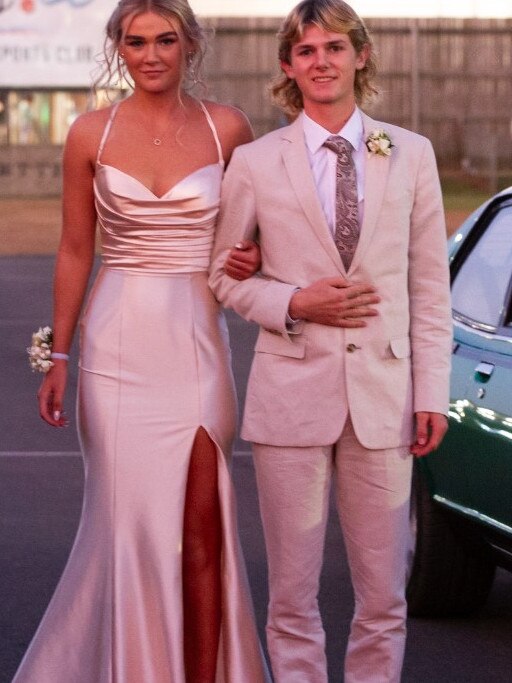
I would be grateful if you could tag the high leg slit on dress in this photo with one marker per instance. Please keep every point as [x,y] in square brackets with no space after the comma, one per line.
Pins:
[154,369]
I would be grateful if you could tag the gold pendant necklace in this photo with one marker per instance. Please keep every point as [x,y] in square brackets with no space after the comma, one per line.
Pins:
[157,140]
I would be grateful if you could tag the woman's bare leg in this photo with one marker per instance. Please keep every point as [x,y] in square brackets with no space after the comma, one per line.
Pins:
[201,563]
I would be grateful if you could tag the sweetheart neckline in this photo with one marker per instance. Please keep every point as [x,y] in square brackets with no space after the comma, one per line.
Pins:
[201,168]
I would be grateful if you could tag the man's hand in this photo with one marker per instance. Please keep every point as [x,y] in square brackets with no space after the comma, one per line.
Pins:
[243,260]
[430,430]
[334,301]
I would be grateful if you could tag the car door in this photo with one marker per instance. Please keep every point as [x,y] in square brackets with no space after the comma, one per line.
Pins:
[478,449]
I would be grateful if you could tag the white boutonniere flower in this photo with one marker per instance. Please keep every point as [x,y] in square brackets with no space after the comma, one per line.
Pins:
[40,353]
[379,143]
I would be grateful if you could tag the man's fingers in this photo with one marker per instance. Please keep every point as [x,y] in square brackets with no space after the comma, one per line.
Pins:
[355,291]
[339,321]
[422,429]
[430,430]
[358,312]
[350,323]
[357,302]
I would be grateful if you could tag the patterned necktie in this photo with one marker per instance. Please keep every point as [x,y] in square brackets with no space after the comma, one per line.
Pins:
[346,233]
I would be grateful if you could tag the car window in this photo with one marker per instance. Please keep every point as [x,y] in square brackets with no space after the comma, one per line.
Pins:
[480,286]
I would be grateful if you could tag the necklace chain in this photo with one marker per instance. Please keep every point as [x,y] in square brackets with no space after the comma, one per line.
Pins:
[158,139]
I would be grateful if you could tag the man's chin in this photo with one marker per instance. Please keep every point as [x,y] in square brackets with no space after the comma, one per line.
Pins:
[326,99]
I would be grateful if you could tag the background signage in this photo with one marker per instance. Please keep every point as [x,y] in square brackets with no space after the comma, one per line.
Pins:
[51,43]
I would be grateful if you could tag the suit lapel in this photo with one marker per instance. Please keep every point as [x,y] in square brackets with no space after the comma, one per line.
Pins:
[296,162]
[375,181]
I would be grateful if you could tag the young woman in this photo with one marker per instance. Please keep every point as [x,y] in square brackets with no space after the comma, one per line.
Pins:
[154,590]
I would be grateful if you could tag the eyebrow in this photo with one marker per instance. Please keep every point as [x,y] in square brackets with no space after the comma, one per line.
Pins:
[340,41]
[167,34]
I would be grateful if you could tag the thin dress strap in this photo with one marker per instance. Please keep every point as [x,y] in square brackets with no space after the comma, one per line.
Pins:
[107,131]
[214,132]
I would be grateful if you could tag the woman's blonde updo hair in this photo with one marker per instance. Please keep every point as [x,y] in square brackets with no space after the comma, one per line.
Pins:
[113,70]
[329,15]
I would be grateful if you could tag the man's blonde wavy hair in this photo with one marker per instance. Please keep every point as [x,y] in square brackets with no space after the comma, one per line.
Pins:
[330,15]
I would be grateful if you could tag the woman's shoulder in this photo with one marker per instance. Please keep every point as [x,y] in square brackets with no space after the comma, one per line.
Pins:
[225,112]
[91,121]
[231,123]
[87,129]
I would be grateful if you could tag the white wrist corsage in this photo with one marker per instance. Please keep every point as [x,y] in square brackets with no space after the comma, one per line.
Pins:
[379,143]
[40,353]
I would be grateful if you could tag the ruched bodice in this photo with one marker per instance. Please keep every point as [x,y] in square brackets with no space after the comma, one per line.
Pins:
[168,234]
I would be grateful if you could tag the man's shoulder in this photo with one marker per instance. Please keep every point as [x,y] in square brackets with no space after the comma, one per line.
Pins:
[398,135]
[266,144]
[406,135]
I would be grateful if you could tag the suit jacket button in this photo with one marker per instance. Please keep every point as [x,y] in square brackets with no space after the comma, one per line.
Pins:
[352,347]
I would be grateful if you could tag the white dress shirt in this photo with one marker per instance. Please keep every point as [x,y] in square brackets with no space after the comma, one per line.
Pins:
[323,162]
[323,165]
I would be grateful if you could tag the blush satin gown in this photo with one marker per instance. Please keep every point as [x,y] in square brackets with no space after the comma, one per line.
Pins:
[154,368]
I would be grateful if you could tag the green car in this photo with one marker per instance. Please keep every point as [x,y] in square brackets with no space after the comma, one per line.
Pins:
[461,512]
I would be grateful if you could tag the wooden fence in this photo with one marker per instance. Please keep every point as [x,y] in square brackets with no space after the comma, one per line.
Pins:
[450,79]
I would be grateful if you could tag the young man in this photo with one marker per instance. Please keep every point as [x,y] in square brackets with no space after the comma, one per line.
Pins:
[352,362]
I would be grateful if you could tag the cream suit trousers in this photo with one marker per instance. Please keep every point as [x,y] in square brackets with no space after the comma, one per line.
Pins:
[372,496]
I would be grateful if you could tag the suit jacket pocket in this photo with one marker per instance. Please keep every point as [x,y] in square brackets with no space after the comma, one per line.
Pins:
[270,342]
[400,347]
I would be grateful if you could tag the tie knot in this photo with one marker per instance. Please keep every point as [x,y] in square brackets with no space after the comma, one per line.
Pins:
[339,145]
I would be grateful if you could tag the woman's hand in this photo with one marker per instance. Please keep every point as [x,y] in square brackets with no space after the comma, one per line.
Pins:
[243,260]
[51,394]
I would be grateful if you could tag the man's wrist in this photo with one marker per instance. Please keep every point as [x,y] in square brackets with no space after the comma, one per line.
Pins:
[293,315]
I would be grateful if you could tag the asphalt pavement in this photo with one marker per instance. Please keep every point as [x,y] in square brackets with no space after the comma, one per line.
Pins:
[41,481]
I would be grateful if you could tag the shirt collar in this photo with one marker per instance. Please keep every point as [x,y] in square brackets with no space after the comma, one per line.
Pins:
[316,135]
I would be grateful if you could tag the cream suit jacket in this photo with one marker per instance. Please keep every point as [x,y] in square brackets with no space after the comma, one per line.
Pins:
[301,385]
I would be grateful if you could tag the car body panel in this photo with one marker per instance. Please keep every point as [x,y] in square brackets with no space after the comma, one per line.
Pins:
[471,472]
